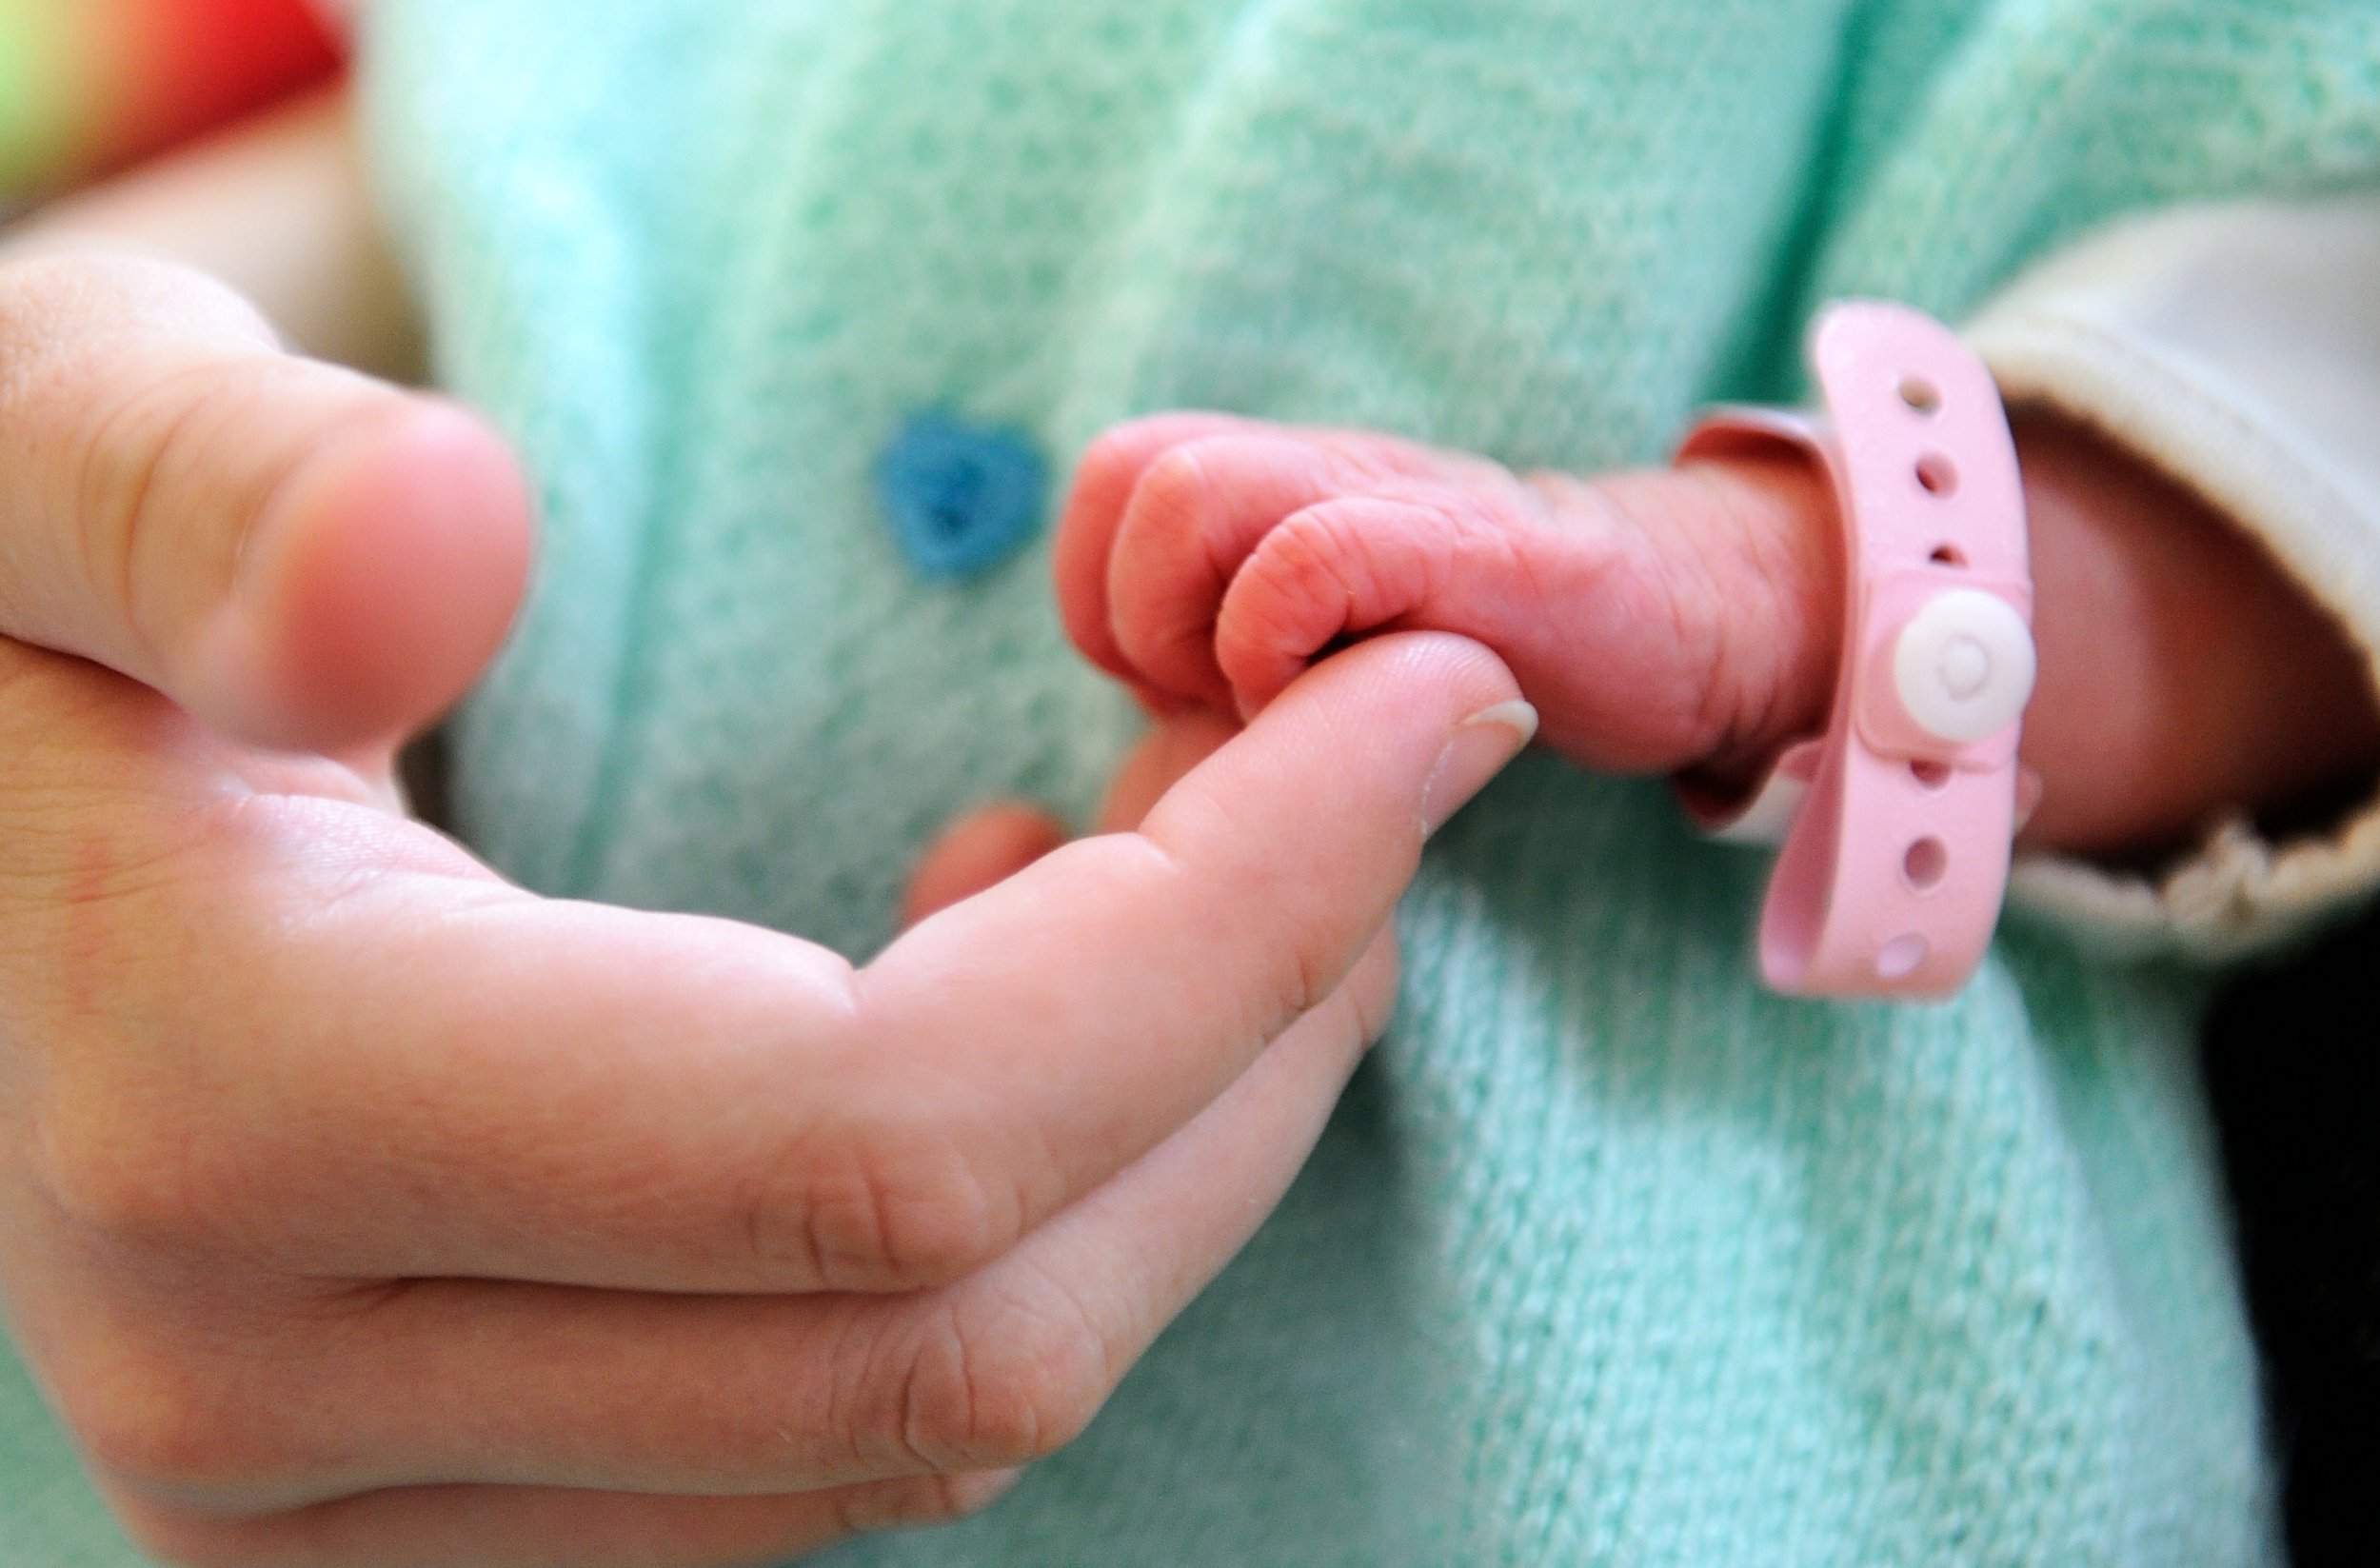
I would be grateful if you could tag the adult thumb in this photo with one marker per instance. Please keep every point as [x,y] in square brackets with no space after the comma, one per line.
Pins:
[300,556]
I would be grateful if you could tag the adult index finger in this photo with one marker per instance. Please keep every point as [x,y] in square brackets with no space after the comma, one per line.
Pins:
[332,1045]
[1032,1041]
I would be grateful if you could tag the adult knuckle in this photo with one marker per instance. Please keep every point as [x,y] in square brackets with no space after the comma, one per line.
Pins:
[60,311]
[883,1210]
[134,461]
[999,1386]
[143,1179]
[59,716]
[1302,965]
[158,1417]
[115,1180]
[128,414]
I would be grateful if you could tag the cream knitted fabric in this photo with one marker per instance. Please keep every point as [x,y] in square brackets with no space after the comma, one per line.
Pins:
[2236,347]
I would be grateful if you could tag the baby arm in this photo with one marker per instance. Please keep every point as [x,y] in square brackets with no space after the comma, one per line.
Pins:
[1688,620]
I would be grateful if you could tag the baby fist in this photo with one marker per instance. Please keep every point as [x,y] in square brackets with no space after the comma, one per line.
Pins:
[1658,621]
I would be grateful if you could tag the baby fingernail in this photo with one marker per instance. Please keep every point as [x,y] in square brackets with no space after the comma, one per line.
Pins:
[1480,747]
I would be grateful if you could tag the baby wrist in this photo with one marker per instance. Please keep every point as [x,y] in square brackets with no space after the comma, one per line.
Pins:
[1897,823]
[1781,601]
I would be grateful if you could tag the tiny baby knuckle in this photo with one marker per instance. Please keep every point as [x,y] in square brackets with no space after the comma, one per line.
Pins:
[865,1510]
[1316,550]
[1175,486]
[1299,549]
[772,1216]
[934,1411]
[1111,457]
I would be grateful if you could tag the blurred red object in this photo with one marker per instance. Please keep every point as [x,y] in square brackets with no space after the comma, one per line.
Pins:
[201,63]
[87,86]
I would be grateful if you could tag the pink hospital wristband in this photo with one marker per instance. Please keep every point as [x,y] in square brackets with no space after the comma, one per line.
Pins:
[1898,823]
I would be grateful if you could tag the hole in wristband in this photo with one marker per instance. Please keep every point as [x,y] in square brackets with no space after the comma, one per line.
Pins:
[1901,956]
[1919,395]
[1935,475]
[1926,863]
[1948,555]
[1930,776]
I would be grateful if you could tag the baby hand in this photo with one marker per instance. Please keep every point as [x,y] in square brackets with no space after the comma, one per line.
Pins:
[1688,620]
[1658,621]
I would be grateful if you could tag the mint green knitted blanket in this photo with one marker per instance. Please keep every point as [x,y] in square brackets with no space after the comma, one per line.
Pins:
[1609,1258]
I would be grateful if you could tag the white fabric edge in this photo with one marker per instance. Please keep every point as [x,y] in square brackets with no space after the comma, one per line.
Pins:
[2065,341]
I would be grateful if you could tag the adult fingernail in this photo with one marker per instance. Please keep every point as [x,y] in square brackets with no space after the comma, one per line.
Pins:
[1478,752]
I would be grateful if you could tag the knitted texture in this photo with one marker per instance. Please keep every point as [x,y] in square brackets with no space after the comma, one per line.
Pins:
[1609,1257]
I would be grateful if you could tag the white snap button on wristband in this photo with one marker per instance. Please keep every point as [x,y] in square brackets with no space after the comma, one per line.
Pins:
[1964,667]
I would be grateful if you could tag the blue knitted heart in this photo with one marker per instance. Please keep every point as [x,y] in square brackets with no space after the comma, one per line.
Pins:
[960,498]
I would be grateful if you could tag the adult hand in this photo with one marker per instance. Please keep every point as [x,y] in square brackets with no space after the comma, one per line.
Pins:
[358,1207]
